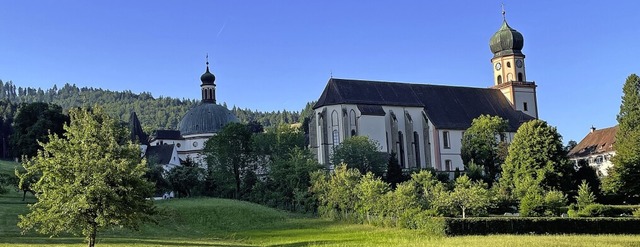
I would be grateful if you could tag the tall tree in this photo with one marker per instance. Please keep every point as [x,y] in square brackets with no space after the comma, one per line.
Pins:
[536,154]
[481,144]
[624,177]
[32,124]
[91,179]
[361,153]
[229,153]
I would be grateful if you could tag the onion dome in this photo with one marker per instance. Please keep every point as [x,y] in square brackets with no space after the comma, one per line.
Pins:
[205,118]
[506,41]
[207,78]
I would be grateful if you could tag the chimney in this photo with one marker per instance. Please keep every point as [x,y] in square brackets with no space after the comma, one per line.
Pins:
[592,129]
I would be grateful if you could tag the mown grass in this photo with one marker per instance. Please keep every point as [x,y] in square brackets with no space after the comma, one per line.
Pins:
[221,222]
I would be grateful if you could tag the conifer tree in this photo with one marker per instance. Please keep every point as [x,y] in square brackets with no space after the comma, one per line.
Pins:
[624,177]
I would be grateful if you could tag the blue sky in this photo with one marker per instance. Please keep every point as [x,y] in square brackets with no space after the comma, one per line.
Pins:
[273,55]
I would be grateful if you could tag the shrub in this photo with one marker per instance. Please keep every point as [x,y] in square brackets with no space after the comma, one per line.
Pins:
[599,210]
[541,225]
[554,201]
[636,213]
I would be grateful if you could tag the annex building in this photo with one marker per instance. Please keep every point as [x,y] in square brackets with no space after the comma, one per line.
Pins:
[422,123]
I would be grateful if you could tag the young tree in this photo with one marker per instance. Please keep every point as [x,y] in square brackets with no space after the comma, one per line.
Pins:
[361,153]
[469,196]
[585,196]
[536,153]
[624,176]
[481,144]
[91,179]
[229,153]
[185,177]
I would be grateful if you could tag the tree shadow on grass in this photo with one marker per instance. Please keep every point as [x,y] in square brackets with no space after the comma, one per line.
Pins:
[39,241]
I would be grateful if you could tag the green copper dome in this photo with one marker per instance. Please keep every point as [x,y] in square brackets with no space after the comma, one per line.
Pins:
[506,41]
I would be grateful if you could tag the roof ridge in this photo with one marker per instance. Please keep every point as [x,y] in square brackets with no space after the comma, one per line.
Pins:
[412,83]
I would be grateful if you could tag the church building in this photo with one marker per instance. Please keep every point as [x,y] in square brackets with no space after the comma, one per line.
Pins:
[422,123]
[198,125]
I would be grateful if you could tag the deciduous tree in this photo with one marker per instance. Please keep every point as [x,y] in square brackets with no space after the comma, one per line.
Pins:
[361,153]
[91,179]
[481,143]
[536,153]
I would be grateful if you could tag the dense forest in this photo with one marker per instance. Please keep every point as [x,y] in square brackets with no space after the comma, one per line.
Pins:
[154,113]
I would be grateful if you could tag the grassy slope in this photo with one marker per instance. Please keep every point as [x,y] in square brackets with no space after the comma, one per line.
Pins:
[220,222]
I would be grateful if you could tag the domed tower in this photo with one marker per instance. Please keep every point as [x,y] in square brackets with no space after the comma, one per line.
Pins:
[509,73]
[208,85]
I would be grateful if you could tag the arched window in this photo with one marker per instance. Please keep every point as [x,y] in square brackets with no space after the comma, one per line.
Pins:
[334,118]
[509,77]
[352,122]
[447,165]
[520,77]
[500,79]
[336,138]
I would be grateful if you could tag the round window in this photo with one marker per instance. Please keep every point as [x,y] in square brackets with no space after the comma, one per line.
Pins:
[195,144]
[178,145]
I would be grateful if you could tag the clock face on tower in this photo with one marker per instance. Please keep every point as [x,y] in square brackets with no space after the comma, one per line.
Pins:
[498,66]
[519,63]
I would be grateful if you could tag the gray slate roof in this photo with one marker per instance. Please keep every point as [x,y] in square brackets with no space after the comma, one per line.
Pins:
[135,129]
[205,118]
[160,154]
[448,107]
[168,134]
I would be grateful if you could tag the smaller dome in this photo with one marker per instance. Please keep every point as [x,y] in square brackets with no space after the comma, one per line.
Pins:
[207,78]
[506,41]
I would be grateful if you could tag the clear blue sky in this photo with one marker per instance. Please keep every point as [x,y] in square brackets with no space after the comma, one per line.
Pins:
[273,55]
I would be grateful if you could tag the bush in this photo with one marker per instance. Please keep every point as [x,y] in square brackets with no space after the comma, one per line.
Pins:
[636,213]
[541,225]
[599,210]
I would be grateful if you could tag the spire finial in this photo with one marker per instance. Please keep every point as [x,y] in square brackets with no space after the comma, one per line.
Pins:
[207,60]
[504,13]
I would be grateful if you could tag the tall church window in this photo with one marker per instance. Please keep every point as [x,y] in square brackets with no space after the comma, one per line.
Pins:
[499,79]
[336,138]
[352,122]
[401,149]
[520,77]
[524,106]
[334,118]
[416,145]
[445,139]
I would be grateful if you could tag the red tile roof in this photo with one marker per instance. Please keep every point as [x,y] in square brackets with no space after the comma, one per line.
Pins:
[596,142]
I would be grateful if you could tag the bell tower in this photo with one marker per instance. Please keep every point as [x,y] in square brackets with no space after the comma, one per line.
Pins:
[509,73]
[208,86]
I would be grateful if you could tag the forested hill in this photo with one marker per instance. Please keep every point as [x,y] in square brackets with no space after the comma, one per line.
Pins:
[154,113]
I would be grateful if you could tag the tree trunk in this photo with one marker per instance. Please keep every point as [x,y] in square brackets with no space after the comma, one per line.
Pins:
[92,236]
[463,213]
[24,195]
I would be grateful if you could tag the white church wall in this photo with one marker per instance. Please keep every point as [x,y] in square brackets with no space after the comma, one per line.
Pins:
[452,151]
[527,95]
[371,127]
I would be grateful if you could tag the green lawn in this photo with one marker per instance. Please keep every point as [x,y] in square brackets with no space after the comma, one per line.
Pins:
[221,222]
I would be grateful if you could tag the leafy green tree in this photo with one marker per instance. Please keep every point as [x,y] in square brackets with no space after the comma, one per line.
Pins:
[33,123]
[481,142]
[585,196]
[624,176]
[370,191]
[394,174]
[536,153]
[229,154]
[336,193]
[469,196]
[290,175]
[361,153]
[91,179]
[184,178]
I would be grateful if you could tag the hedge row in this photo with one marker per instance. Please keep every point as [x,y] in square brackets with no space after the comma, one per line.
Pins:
[540,225]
